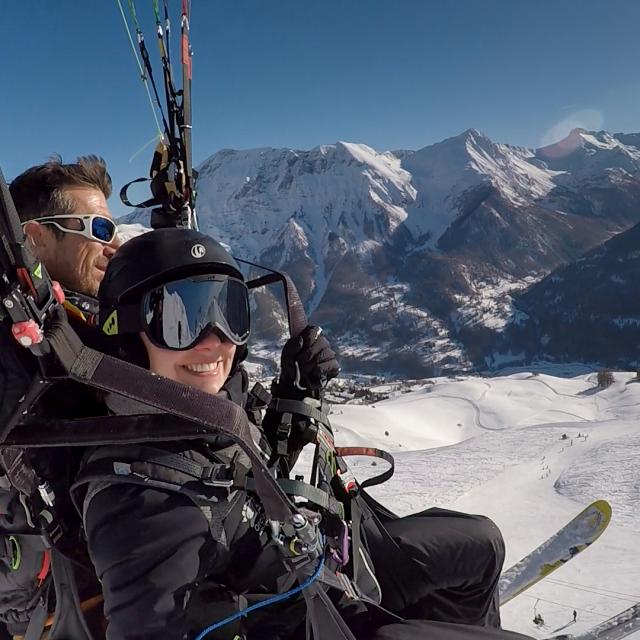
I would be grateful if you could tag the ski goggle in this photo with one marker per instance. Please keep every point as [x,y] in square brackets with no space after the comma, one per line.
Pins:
[179,314]
[92,226]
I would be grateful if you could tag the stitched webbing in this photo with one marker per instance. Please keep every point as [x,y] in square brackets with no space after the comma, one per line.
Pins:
[308,491]
[283,405]
[214,413]
[371,452]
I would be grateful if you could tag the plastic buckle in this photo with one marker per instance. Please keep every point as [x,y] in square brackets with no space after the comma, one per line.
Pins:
[218,476]
[282,437]
[348,482]
[50,529]
[27,333]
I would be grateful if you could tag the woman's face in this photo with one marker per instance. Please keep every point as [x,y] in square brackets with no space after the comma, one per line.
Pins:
[205,366]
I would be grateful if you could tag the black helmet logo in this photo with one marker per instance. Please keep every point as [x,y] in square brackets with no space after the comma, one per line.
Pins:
[198,251]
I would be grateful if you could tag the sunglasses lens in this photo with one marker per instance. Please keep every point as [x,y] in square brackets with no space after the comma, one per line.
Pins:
[103,229]
[177,313]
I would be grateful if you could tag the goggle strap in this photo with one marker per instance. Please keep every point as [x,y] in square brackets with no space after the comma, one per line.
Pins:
[124,319]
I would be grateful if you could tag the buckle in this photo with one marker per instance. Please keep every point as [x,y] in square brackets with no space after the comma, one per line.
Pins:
[218,475]
[282,437]
[283,430]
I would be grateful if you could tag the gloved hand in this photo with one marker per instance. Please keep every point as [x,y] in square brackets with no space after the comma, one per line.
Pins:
[307,362]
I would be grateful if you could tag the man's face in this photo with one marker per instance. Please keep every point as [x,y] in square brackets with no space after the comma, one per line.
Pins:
[78,263]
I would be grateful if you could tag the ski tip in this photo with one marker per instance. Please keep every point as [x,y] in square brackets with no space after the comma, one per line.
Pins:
[604,507]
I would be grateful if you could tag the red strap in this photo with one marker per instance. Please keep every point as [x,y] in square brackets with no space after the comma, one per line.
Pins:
[46,565]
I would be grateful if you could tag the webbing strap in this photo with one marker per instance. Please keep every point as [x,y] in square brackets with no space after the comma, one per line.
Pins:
[308,491]
[371,452]
[213,414]
[142,205]
[154,474]
[356,538]
[38,619]
[107,430]
[326,622]
[68,619]
[283,405]
[164,459]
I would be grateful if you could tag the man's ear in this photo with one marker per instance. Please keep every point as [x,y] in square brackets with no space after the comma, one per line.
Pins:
[37,237]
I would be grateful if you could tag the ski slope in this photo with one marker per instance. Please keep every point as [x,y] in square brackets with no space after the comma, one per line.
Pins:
[495,446]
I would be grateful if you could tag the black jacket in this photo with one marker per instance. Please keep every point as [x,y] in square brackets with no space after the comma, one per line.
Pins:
[167,562]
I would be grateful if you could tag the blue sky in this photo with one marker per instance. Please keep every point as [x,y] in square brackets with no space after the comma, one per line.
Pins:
[297,73]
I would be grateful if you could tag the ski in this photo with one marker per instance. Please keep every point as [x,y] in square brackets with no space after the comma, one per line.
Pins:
[615,628]
[561,547]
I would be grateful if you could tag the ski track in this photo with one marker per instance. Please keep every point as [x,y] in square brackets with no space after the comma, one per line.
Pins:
[616,478]
[476,410]
[483,458]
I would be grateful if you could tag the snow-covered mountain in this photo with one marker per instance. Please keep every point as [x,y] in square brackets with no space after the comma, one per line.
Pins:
[409,258]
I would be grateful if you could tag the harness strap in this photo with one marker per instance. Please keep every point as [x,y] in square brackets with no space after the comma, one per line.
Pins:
[324,466]
[107,430]
[371,452]
[148,459]
[261,394]
[119,471]
[326,622]
[284,405]
[356,539]
[305,490]
[257,400]
[68,619]
[38,619]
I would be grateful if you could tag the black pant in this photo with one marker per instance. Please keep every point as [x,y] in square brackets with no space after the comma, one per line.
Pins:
[442,565]
[439,570]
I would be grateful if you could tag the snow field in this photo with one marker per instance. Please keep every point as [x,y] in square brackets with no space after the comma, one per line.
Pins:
[495,446]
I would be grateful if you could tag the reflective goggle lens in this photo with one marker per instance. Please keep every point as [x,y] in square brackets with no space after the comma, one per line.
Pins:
[103,229]
[176,314]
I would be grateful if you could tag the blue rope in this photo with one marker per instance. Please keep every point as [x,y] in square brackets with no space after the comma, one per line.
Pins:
[265,603]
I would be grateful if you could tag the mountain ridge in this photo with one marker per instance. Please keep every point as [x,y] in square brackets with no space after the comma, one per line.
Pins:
[410,259]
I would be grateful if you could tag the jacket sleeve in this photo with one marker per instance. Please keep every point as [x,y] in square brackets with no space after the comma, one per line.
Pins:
[149,548]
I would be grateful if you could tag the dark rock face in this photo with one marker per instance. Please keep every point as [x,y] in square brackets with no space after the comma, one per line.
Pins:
[587,311]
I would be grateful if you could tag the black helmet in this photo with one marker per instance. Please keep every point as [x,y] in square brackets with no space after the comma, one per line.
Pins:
[158,256]
[176,285]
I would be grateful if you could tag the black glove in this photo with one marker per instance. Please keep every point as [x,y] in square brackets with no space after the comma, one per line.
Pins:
[308,362]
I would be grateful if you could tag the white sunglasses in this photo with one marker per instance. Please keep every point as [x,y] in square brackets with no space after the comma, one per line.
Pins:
[94,226]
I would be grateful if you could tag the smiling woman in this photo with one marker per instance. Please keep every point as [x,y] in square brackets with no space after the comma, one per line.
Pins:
[174,301]
[186,304]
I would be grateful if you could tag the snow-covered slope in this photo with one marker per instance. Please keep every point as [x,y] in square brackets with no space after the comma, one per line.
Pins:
[585,154]
[447,174]
[496,446]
